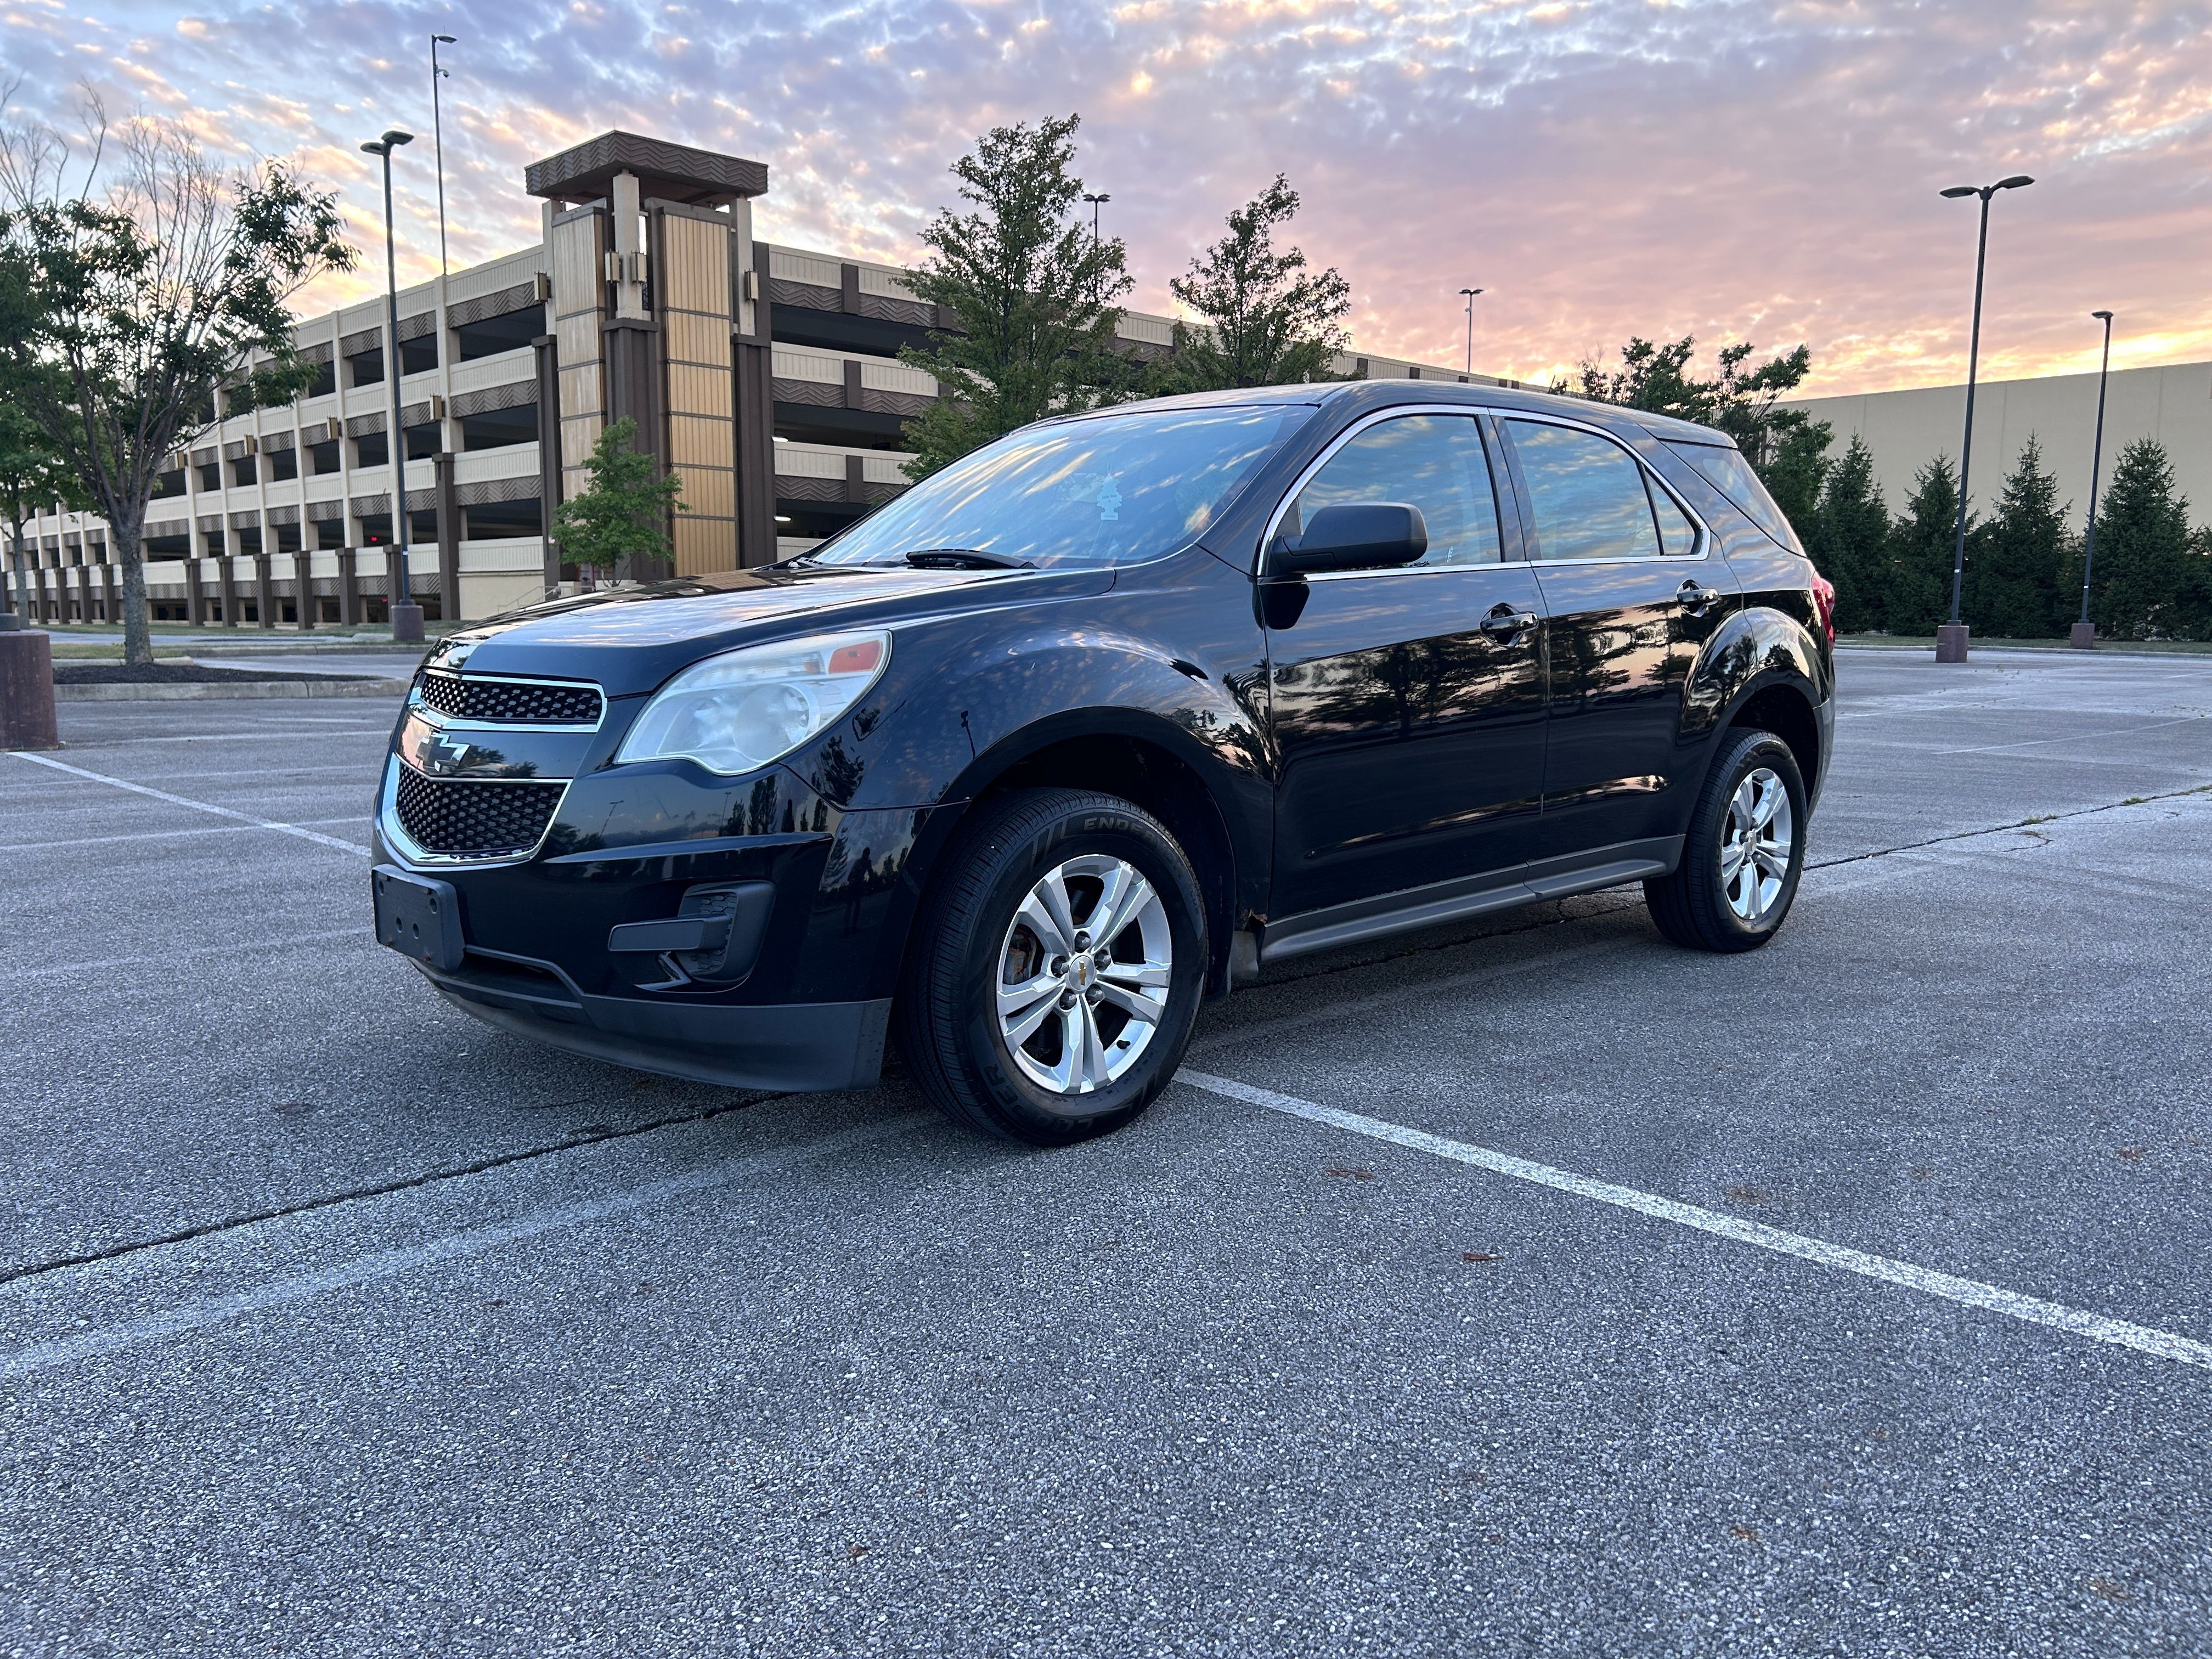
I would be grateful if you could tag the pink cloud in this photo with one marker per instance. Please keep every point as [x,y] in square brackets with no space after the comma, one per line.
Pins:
[1603,167]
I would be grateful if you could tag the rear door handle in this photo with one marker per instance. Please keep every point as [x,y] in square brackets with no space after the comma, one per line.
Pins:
[1504,621]
[1696,599]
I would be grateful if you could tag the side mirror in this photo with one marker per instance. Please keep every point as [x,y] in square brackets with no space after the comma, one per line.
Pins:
[1355,536]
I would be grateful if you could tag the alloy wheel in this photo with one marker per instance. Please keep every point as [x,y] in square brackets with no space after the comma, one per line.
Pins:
[1083,974]
[1756,843]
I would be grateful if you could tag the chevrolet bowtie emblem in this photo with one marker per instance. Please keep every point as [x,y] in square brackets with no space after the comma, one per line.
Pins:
[447,758]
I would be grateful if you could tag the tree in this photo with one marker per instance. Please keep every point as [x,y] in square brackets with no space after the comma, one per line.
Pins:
[1030,291]
[620,518]
[33,477]
[140,301]
[1269,320]
[1785,446]
[1848,539]
[2013,565]
[1921,547]
[2149,580]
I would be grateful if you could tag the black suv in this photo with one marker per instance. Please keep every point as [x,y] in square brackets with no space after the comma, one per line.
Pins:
[1102,719]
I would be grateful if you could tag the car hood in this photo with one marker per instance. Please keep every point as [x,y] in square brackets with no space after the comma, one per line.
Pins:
[631,639]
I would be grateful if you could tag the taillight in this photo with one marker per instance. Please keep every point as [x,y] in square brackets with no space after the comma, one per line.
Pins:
[1824,601]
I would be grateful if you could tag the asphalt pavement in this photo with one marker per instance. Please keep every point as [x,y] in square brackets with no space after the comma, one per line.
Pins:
[1527,1288]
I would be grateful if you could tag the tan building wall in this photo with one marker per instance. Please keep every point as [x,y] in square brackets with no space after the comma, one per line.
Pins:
[1907,429]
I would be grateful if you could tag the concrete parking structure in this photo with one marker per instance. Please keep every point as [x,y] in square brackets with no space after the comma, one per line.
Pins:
[332,1321]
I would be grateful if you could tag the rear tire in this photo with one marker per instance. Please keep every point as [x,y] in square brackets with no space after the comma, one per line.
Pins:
[1055,974]
[1743,854]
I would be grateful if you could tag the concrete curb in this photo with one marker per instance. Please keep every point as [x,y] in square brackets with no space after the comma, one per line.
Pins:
[197,690]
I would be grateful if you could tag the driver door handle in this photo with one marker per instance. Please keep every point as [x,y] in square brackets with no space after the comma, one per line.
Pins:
[1696,599]
[1503,622]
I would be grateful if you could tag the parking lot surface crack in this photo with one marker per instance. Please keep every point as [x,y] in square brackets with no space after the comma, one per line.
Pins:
[2029,822]
[372,1189]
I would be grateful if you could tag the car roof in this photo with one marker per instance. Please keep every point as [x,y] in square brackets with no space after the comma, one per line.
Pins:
[1350,397]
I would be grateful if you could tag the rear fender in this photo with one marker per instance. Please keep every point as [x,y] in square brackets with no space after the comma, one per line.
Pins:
[1755,648]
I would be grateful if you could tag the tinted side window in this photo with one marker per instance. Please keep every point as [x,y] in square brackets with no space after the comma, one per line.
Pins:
[1677,535]
[1587,495]
[1434,462]
[1728,471]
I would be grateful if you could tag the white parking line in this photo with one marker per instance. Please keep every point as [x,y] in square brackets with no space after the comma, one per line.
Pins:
[384,1264]
[255,950]
[1972,1292]
[166,835]
[2079,736]
[243,734]
[197,805]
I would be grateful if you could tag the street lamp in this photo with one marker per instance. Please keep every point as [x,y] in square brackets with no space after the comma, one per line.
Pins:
[1097,202]
[2084,633]
[406,614]
[1470,293]
[438,137]
[1951,639]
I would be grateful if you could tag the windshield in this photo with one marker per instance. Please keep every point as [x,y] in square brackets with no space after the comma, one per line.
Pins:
[1728,471]
[1111,490]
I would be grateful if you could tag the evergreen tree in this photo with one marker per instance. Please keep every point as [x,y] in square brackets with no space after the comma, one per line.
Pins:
[2148,583]
[1918,596]
[1030,290]
[2014,562]
[1269,320]
[1790,455]
[619,520]
[1849,540]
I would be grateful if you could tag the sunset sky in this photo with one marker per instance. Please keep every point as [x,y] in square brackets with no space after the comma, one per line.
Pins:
[1761,171]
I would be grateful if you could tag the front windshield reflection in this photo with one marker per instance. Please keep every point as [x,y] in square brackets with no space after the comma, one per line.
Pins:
[1110,489]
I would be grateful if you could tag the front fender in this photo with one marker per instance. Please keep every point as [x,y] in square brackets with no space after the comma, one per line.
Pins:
[1754,649]
[991,704]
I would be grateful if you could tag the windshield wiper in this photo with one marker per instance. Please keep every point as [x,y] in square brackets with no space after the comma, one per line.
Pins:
[963,558]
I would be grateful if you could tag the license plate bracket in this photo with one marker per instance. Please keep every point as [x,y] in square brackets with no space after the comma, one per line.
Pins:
[418,917]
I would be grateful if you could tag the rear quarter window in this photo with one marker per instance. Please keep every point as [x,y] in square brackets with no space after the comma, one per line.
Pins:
[1727,471]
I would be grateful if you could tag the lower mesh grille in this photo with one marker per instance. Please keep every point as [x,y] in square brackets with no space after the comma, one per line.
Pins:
[466,817]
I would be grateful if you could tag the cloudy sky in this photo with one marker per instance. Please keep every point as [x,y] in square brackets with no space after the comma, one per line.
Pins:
[1603,167]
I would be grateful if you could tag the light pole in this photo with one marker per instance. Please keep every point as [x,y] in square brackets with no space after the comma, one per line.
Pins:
[438,138]
[1470,293]
[406,614]
[2083,635]
[1951,638]
[1097,202]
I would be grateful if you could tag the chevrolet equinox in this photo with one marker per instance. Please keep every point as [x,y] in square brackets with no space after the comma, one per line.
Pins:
[1100,719]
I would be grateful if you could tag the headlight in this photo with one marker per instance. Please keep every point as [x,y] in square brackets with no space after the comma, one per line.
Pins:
[737,712]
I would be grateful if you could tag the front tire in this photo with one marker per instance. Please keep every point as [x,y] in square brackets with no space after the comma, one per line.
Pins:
[1744,852]
[1056,972]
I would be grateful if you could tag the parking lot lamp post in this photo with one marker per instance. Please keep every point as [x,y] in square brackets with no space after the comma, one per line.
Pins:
[1097,202]
[2083,635]
[438,138]
[406,614]
[1470,293]
[1951,639]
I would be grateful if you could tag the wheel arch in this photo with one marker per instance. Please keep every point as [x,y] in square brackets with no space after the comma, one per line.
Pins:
[1762,669]
[1145,759]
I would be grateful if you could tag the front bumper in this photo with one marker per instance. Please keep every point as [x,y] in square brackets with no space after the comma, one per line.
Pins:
[781,1046]
[808,1012]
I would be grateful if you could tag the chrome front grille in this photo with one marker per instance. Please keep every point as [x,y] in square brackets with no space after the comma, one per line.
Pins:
[474,817]
[510,703]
